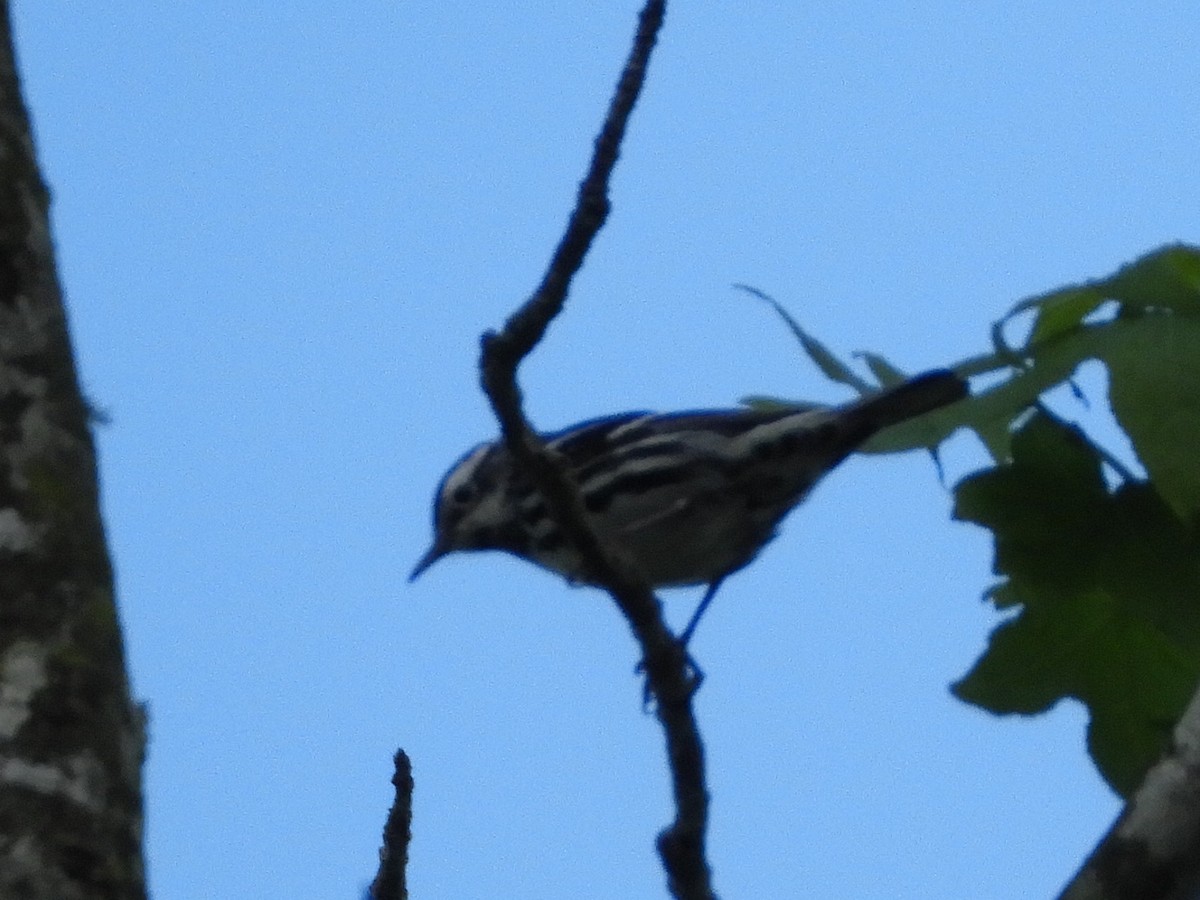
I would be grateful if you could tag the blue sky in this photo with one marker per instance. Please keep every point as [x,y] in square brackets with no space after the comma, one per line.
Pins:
[281,230]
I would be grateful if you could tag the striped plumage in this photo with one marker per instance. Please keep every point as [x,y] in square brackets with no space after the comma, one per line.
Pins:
[690,497]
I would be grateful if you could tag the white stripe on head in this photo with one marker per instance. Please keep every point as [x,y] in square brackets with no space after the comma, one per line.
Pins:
[464,471]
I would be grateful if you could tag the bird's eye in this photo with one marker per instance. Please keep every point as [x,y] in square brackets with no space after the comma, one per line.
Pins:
[462,494]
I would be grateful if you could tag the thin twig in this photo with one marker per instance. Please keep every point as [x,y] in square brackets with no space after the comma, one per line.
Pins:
[390,881]
[682,845]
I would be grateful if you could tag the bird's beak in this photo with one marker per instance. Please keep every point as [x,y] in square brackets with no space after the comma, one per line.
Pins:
[436,552]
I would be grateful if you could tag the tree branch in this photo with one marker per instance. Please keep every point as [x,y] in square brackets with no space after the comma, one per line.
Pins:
[682,845]
[1152,852]
[390,881]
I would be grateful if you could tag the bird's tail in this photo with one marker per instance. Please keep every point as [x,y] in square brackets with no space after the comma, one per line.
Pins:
[915,397]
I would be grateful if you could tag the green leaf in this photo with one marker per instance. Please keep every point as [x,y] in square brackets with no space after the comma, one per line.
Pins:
[1168,278]
[1154,388]
[1063,311]
[885,373]
[1106,592]
[832,367]
[922,433]
[1133,680]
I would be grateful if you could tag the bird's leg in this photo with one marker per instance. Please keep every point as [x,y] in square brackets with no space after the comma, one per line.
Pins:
[695,673]
[686,634]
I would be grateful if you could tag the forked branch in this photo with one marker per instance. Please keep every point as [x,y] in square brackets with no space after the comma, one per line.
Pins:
[682,845]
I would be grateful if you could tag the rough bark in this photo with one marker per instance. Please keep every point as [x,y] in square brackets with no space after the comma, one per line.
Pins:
[1152,851]
[71,741]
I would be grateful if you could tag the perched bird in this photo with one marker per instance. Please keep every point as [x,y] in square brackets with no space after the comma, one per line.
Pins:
[689,497]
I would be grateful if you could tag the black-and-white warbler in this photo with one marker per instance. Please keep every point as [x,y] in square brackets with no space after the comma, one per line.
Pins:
[689,497]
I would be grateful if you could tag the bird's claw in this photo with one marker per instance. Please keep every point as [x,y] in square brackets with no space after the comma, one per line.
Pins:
[693,675]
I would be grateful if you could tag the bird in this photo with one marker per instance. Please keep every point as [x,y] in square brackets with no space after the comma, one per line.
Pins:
[688,498]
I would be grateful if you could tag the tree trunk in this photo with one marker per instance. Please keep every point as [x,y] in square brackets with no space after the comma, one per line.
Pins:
[71,740]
